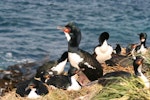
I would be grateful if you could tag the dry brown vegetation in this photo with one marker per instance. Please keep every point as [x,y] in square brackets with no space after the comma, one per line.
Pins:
[85,93]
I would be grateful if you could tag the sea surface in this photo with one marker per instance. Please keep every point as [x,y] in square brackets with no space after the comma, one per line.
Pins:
[28,28]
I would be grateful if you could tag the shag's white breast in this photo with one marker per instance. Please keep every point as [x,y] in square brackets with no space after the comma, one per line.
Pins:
[142,50]
[74,59]
[103,52]
[143,77]
[60,67]
[75,85]
[33,94]
[67,36]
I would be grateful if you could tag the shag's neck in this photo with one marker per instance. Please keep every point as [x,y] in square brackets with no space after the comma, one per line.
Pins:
[132,53]
[143,77]
[72,49]
[144,43]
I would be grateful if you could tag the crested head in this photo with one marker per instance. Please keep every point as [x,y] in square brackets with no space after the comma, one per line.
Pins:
[104,36]
[73,34]
[142,37]
[136,64]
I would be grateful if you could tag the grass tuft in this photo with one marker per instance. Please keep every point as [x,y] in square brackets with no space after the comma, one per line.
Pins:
[128,89]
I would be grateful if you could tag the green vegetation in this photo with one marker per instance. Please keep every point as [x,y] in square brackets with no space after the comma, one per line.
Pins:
[128,89]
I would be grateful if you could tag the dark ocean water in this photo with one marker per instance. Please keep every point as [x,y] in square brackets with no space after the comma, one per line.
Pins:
[28,27]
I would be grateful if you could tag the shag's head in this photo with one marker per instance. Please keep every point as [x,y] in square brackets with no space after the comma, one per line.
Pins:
[104,36]
[142,37]
[47,75]
[73,34]
[44,75]
[136,64]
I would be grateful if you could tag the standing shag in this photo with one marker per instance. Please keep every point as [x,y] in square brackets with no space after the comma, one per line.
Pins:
[142,47]
[139,47]
[79,58]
